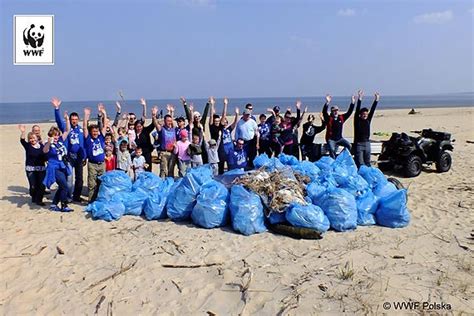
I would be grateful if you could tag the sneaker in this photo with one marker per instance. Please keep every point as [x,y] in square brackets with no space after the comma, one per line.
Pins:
[78,200]
[66,209]
[54,208]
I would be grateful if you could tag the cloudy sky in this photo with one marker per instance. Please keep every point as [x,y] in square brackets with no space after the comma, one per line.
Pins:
[196,48]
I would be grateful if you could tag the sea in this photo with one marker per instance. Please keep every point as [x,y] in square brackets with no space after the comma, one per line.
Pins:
[42,112]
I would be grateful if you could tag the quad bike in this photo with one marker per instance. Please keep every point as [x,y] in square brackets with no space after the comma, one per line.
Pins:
[410,153]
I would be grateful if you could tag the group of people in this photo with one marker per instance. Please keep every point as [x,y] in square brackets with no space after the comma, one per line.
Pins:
[127,143]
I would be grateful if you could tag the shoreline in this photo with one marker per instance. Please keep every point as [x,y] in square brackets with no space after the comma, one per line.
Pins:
[379,110]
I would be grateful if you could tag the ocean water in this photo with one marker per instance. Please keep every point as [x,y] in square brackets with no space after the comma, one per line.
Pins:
[41,112]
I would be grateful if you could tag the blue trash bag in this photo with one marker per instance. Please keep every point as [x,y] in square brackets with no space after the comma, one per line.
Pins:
[229,176]
[325,163]
[326,178]
[341,209]
[307,168]
[345,160]
[112,182]
[277,218]
[288,160]
[357,186]
[392,210]
[373,176]
[154,207]
[211,209]
[147,181]
[308,216]
[182,199]
[385,189]
[276,164]
[106,210]
[133,201]
[246,211]
[261,161]
[315,191]
[366,208]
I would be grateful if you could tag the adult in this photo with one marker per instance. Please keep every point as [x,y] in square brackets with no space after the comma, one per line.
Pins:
[199,122]
[335,122]
[142,133]
[238,158]
[247,130]
[215,126]
[167,137]
[36,129]
[75,150]
[226,145]
[34,165]
[362,120]
[275,112]
[310,130]
[289,122]
[249,107]
[57,169]
[94,143]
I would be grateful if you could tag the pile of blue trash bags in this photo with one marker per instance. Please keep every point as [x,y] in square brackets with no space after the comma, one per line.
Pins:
[338,196]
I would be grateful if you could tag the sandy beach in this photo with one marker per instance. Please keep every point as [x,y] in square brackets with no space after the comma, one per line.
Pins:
[54,263]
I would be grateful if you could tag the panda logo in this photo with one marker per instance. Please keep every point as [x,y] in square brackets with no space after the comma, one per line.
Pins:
[33,36]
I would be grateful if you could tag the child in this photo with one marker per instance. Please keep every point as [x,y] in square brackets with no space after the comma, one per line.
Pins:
[212,153]
[181,151]
[109,141]
[121,135]
[276,131]
[195,151]
[139,163]
[124,161]
[131,134]
[110,161]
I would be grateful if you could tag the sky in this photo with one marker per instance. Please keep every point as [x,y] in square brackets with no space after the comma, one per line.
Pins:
[242,48]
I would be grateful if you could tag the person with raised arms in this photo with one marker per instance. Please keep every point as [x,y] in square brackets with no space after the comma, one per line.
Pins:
[76,154]
[95,151]
[167,137]
[226,145]
[58,170]
[34,165]
[362,120]
[334,124]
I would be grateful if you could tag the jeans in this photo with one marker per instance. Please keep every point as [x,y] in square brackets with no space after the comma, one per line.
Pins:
[333,144]
[35,179]
[62,192]
[76,179]
[362,154]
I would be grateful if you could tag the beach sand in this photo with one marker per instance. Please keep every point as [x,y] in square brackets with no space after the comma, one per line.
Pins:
[121,267]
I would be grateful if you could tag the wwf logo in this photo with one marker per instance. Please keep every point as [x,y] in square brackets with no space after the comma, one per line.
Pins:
[33,36]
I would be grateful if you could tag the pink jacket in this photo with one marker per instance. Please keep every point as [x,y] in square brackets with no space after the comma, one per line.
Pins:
[181,149]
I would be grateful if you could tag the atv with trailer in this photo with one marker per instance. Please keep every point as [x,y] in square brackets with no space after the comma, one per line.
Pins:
[409,154]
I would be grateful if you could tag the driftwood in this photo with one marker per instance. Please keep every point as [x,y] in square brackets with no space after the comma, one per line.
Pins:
[27,254]
[115,274]
[185,266]
[295,232]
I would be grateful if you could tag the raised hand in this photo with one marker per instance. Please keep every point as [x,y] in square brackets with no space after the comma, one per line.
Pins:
[212,100]
[170,108]
[226,101]
[328,98]
[87,113]
[306,109]
[66,116]
[237,111]
[377,96]
[360,94]
[118,106]
[56,102]
[101,108]
[353,99]
[143,101]
[183,100]
[154,111]
[298,104]
[22,128]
